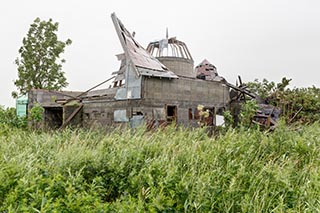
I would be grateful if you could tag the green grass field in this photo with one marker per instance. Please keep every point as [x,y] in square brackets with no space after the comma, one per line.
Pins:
[166,171]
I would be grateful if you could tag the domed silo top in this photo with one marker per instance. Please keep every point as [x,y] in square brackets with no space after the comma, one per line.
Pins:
[174,54]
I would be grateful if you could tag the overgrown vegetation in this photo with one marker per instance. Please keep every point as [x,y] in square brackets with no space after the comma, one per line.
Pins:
[36,115]
[9,119]
[300,105]
[244,169]
[248,110]
[172,170]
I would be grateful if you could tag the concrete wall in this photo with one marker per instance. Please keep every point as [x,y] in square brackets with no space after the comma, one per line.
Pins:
[48,97]
[180,66]
[181,95]
[184,93]
[107,112]
[54,114]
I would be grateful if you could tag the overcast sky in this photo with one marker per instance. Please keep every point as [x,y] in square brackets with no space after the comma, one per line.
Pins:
[251,38]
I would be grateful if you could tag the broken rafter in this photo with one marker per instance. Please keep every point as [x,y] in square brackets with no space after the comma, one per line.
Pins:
[78,97]
[74,113]
[295,115]
[242,90]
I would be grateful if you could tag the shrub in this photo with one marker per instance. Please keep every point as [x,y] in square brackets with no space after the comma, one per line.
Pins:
[9,119]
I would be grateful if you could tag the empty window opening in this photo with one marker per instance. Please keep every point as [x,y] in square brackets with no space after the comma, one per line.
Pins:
[190,114]
[139,113]
[196,114]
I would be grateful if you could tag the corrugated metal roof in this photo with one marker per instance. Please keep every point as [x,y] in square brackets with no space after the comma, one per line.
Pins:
[156,73]
[138,56]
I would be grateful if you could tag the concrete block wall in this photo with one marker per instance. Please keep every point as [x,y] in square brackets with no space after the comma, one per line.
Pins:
[186,90]
[186,94]
[180,66]
[101,112]
[48,97]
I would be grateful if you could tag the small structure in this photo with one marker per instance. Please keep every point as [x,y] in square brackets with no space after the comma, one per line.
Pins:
[156,86]
[207,71]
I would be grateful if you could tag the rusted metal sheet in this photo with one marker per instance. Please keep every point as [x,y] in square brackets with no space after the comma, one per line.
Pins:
[267,115]
[136,54]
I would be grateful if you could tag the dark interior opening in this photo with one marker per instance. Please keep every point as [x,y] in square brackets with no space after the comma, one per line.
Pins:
[171,113]
[190,114]
[53,117]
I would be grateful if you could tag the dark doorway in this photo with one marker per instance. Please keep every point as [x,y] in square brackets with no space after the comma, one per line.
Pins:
[171,114]
[53,117]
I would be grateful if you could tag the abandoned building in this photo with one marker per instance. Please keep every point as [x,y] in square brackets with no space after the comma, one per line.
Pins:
[156,86]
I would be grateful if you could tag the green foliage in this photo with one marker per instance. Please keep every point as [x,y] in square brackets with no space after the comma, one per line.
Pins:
[300,105]
[172,170]
[39,65]
[9,119]
[228,119]
[265,88]
[36,115]
[248,111]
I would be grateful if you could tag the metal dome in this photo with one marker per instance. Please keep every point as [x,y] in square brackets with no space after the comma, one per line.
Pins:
[174,54]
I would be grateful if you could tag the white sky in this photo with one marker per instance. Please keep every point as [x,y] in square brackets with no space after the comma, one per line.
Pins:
[251,38]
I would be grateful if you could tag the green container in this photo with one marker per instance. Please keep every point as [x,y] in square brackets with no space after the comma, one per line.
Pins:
[21,105]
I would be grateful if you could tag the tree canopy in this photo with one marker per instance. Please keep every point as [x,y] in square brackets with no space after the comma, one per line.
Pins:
[39,64]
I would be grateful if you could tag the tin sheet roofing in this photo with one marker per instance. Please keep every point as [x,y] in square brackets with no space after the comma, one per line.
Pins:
[138,56]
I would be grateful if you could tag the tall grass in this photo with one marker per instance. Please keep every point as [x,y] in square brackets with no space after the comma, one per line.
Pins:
[172,170]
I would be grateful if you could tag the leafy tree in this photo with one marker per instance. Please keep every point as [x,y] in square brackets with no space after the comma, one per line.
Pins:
[266,88]
[39,64]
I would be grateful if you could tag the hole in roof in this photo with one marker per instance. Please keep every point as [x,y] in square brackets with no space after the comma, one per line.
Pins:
[124,38]
[164,68]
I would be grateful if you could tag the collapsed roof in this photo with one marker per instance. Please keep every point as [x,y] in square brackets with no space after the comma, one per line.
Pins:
[135,55]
